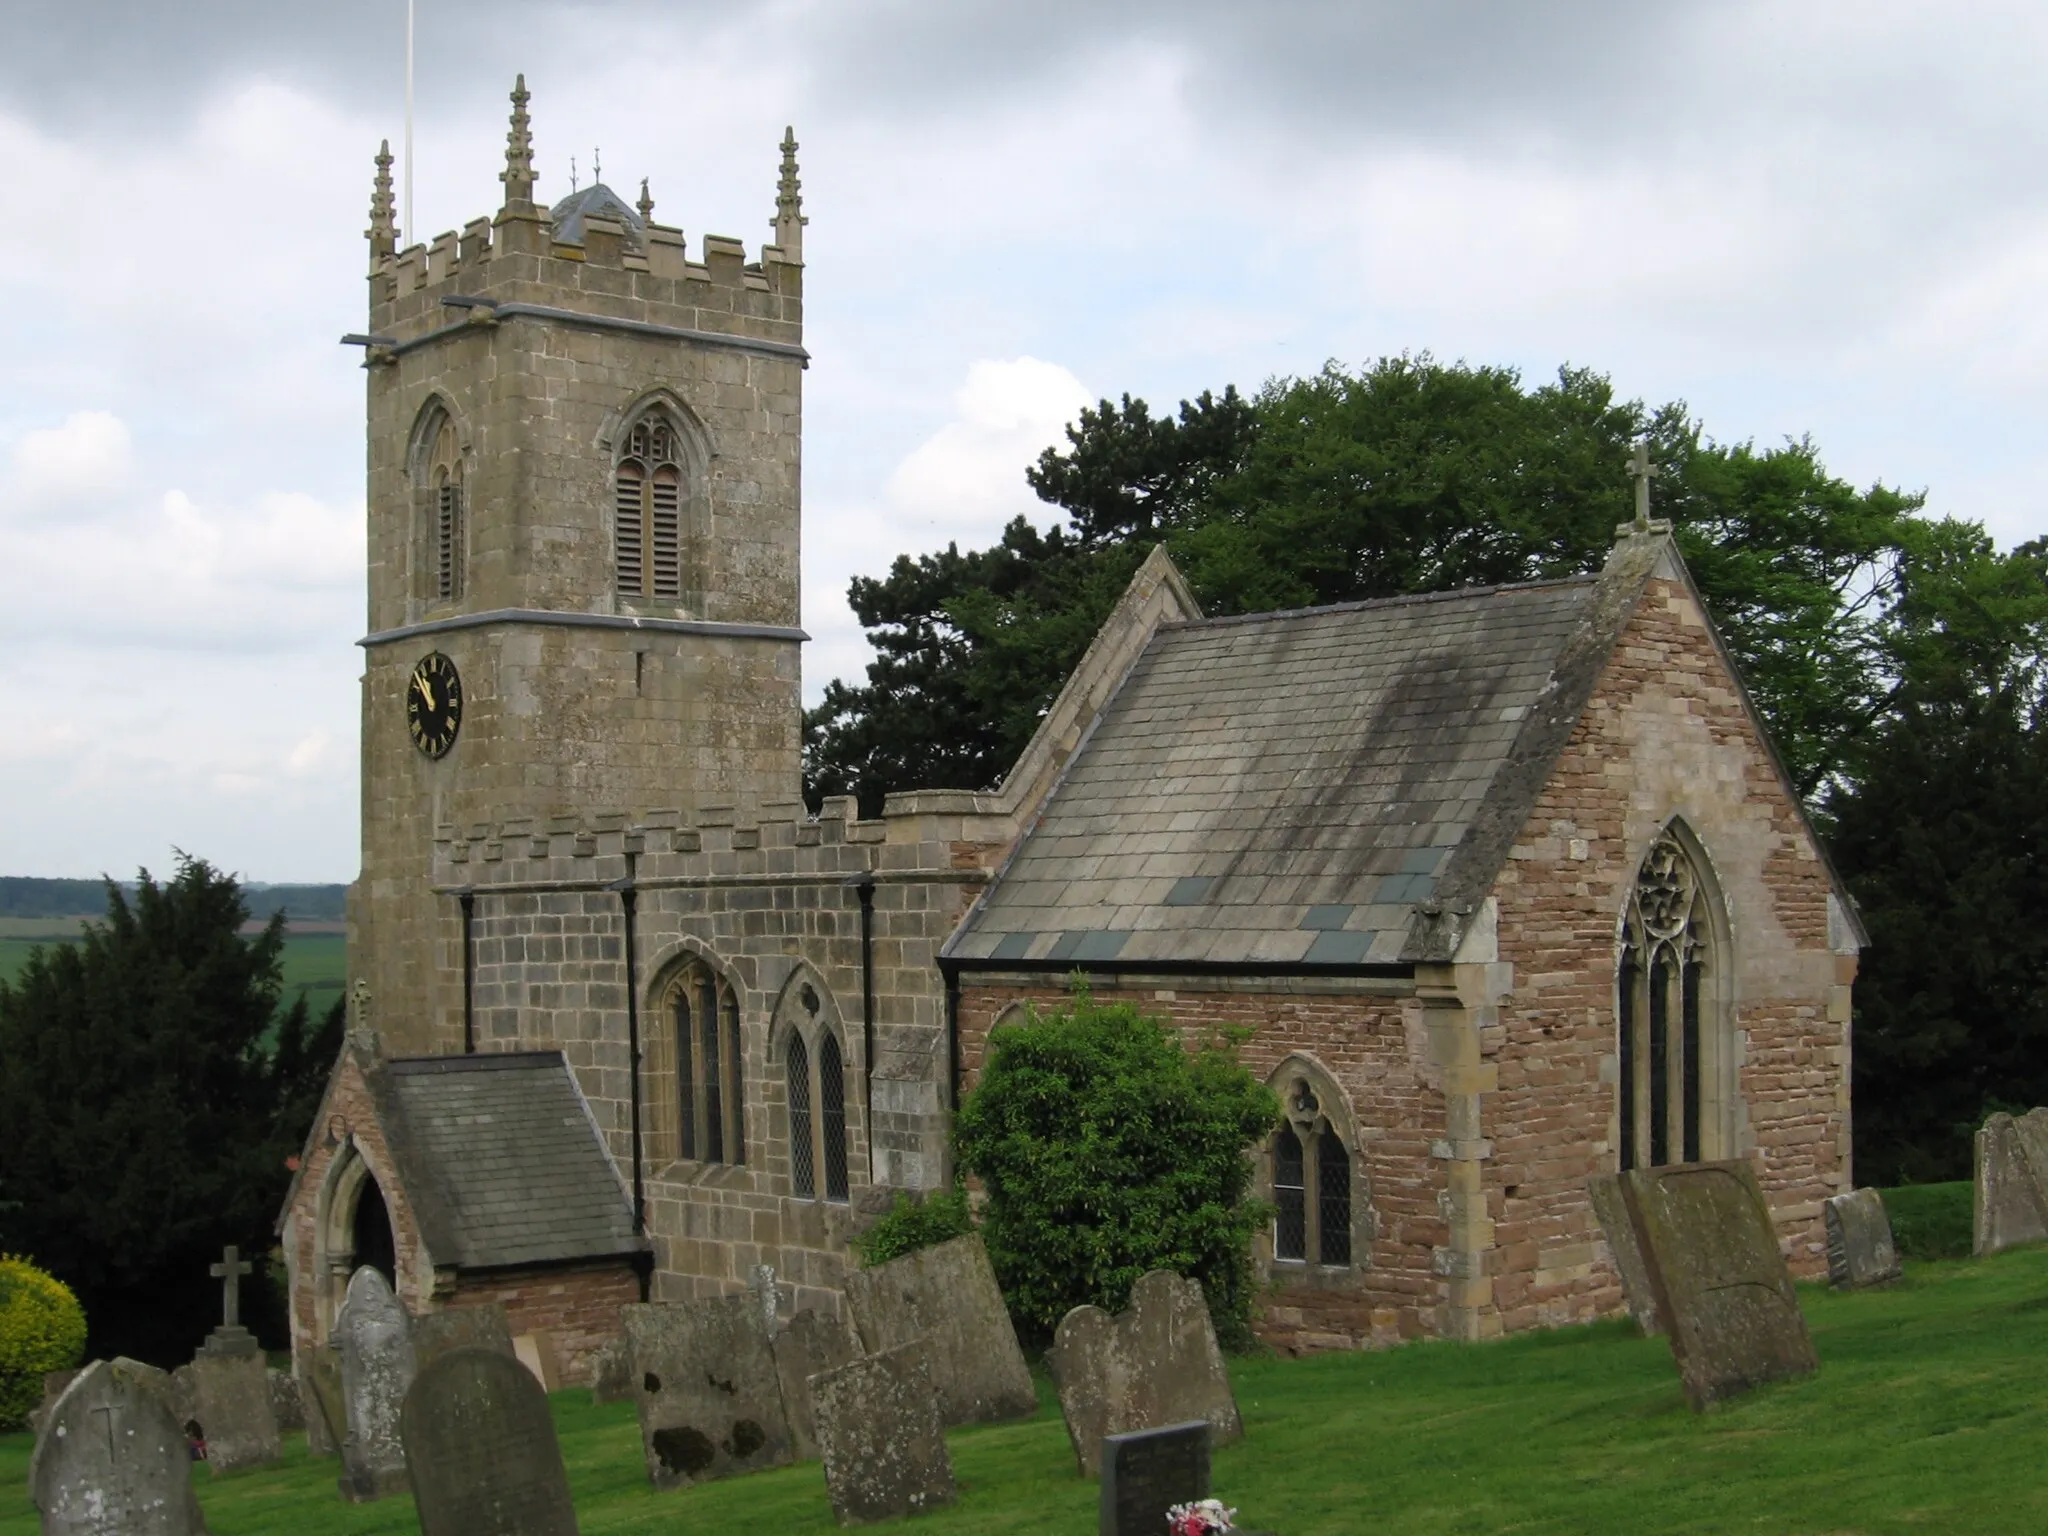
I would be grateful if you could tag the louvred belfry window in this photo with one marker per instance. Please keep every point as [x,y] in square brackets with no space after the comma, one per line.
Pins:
[448,532]
[440,474]
[647,512]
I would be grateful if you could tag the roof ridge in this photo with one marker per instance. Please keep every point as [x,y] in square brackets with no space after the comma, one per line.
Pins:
[1400,600]
[476,1061]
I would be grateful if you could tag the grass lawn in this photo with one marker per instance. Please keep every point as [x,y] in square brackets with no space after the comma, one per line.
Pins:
[1927,1416]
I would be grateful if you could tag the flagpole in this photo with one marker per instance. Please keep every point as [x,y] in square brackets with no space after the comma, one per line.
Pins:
[408,240]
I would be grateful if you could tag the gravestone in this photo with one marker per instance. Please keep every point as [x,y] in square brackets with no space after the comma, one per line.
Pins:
[377,1367]
[231,1339]
[880,1437]
[1147,1472]
[1155,1363]
[1611,1211]
[1722,1289]
[611,1373]
[1860,1247]
[54,1383]
[704,1382]
[231,1404]
[319,1370]
[112,1461]
[2011,1204]
[810,1343]
[285,1404]
[948,1294]
[485,1326]
[480,1449]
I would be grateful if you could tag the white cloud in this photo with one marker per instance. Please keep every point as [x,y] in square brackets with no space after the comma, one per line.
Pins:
[76,470]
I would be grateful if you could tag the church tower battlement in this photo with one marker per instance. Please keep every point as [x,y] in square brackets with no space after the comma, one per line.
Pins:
[584,455]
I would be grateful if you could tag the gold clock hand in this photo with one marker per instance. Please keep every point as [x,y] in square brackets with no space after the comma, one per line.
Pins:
[426,688]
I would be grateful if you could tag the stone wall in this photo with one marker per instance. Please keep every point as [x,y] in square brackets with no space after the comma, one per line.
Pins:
[577,1308]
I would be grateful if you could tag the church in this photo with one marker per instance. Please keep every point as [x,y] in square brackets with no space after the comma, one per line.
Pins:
[1508,885]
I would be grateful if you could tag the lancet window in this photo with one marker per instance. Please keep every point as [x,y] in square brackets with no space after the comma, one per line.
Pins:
[816,1074]
[1312,1184]
[647,511]
[1663,991]
[705,1016]
[443,474]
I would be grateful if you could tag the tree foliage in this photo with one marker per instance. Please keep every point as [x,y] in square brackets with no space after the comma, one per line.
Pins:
[42,1329]
[913,1222]
[1106,1150]
[146,1109]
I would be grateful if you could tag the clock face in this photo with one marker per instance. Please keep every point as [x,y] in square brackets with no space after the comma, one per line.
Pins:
[433,704]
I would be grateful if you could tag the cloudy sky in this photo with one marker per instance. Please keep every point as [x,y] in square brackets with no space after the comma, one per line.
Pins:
[1823,218]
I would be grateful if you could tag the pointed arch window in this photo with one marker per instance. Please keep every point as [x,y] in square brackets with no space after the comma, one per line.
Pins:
[703,1012]
[1662,1005]
[442,473]
[647,511]
[815,1063]
[1312,1182]
[832,1115]
[803,1179]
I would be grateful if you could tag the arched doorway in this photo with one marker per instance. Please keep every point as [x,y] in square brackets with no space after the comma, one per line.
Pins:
[372,1242]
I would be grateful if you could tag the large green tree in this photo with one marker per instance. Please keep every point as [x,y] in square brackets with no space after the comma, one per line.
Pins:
[149,1096]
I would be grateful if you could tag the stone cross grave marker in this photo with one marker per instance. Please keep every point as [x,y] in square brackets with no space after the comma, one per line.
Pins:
[231,1404]
[704,1382]
[1711,1249]
[377,1367]
[1155,1363]
[231,1338]
[1611,1211]
[481,1451]
[112,1459]
[1860,1247]
[880,1437]
[948,1294]
[811,1342]
[2011,1205]
[1147,1472]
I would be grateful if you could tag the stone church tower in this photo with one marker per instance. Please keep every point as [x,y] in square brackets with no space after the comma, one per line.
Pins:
[583,491]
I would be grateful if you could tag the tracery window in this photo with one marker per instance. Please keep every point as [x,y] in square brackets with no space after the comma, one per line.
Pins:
[817,1104]
[1666,961]
[705,1015]
[1312,1214]
[647,511]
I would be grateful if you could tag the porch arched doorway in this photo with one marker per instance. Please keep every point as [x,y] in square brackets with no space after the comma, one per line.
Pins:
[371,1230]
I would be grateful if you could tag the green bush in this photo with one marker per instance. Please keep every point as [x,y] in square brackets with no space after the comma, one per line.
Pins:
[1932,1221]
[1107,1149]
[42,1329]
[913,1223]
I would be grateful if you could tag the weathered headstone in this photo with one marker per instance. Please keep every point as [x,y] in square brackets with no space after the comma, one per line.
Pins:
[485,1326]
[880,1437]
[704,1382]
[481,1451]
[286,1406]
[1611,1211]
[1154,1364]
[1860,1247]
[1146,1473]
[611,1372]
[2012,1182]
[948,1295]
[112,1461]
[811,1342]
[319,1374]
[766,1293]
[377,1367]
[231,1404]
[1722,1289]
[54,1383]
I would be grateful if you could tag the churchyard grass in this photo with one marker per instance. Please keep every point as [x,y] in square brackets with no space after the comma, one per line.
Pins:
[1926,1415]
[1931,1221]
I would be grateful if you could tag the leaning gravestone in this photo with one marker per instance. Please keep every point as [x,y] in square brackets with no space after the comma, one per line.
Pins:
[705,1384]
[2011,1205]
[611,1373]
[948,1294]
[112,1461]
[377,1367]
[319,1371]
[286,1406]
[1154,1364]
[1611,1211]
[484,1326]
[811,1342]
[481,1451]
[880,1437]
[1711,1249]
[231,1404]
[1146,1473]
[1860,1247]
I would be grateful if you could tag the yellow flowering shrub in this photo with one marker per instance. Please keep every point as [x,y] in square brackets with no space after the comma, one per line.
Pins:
[42,1328]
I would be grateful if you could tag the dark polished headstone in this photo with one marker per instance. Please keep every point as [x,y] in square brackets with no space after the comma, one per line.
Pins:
[1147,1472]
[1722,1288]
[481,1451]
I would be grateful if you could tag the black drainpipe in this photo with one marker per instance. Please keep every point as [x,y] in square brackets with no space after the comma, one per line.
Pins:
[629,903]
[469,973]
[864,887]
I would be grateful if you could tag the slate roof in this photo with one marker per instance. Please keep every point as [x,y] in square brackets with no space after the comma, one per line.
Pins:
[500,1160]
[1284,789]
[597,198]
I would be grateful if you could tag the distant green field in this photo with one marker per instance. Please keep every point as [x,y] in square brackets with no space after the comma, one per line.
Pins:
[314,963]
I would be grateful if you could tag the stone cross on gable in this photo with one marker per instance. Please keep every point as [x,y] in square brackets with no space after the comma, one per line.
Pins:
[229,1272]
[1641,470]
